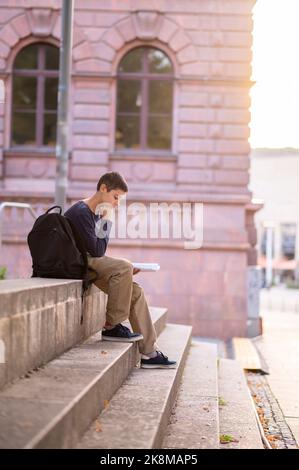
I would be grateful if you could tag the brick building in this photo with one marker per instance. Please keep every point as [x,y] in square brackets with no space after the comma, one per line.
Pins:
[160,93]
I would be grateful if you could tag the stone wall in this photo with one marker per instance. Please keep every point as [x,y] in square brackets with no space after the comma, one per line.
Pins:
[209,44]
[42,318]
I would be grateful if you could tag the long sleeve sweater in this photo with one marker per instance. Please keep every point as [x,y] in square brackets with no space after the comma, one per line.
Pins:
[93,229]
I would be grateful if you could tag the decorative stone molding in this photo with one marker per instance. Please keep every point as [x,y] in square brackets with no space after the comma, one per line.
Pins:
[90,58]
[142,171]
[42,21]
[147,24]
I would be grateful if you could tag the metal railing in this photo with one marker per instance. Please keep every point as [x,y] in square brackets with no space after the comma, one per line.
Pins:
[19,205]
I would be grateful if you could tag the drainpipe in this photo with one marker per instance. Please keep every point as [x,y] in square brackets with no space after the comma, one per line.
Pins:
[63,95]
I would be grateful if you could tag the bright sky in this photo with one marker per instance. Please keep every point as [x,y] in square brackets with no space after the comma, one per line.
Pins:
[275,97]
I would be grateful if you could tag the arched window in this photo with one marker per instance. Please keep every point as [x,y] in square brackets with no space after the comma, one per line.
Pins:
[34,98]
[144,101]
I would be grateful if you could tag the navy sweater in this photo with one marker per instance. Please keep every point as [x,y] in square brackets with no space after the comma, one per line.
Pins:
[93,230]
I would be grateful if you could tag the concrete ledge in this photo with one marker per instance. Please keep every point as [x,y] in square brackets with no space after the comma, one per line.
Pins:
[41,318]
[55,405]
[237,417]
[194,422]
[138,414]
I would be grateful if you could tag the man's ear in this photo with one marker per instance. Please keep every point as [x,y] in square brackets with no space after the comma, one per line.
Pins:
[103,188]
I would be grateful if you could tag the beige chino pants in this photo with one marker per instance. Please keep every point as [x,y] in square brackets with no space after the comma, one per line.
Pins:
[126,300]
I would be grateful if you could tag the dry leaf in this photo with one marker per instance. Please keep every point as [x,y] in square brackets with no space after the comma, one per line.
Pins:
[104,352]
[98,426]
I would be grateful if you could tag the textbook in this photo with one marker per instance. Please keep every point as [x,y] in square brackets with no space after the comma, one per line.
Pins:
[147,266]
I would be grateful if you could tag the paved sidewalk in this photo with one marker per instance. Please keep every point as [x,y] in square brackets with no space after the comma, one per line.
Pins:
[280,347]
[280,298]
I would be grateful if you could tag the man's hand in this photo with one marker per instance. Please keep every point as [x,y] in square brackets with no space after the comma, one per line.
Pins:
[136,271]
[105,211]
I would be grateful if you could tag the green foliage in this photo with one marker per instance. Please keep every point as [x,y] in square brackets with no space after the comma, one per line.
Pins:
[221,401]
[3,270]
[227,438]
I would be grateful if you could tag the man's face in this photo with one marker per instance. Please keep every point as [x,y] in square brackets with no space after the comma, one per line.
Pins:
[111,197]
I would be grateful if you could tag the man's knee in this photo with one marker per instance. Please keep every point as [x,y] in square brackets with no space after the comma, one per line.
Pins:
[126,267]
[137,291]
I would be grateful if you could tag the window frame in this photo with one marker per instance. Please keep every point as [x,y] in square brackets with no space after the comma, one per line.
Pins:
[145,77]
[41,74]
[285,229]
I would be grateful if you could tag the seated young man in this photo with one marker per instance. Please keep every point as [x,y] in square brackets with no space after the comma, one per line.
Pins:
[126,298]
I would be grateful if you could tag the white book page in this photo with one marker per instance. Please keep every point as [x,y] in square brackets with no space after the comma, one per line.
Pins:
[150,267]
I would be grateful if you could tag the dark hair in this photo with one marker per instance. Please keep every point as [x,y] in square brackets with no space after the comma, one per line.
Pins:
[113,180]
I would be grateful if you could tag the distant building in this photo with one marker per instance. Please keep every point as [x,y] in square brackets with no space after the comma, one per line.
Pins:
[275,179]
[160,93]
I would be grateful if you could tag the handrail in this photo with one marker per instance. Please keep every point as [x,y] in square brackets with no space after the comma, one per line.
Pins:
[18,205]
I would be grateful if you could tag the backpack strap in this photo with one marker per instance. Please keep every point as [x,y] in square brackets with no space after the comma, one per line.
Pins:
[79,242]
[54,207]
[90,275]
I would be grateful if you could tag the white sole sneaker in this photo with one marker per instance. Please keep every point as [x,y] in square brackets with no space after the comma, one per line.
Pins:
[158,366]
[122,340]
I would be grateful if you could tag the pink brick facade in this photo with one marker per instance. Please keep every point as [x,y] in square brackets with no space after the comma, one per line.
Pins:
[209,44]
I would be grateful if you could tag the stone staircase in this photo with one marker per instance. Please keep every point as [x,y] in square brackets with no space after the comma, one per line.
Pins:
[62,387]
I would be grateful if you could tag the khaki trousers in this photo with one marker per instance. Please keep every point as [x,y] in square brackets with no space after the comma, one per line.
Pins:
[126,300]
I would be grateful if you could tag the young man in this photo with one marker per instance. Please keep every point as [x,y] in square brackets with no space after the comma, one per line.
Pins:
[126,298]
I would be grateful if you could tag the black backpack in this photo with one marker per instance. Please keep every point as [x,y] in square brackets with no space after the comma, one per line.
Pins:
[57,249]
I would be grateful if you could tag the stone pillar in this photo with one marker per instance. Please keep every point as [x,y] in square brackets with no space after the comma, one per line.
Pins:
[254,278]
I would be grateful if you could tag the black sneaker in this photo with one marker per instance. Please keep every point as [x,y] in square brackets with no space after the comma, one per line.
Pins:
[158,362]
[122,334]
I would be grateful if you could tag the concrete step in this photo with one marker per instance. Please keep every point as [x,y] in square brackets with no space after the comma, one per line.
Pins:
[41,318]
[236,409]
[194,423]
[57,403]
[138,414]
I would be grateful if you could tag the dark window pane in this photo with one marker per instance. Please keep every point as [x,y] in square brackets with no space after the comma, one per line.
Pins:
[127,132]
[159,133]
[24,92]
[23,129]
[129,96]
[27,58]
[50,122]
[160,96]
[52,57]
[51,90]
[158,61]
[288,240]
[132,62]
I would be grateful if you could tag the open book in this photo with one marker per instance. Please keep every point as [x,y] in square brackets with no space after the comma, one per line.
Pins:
[147,266]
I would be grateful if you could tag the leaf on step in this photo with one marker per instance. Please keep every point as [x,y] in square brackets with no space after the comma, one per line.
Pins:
[106,404]
[221,402]
[206,408]
[104,352]
[272,437]
[25,424]
[98,427]
[227,438]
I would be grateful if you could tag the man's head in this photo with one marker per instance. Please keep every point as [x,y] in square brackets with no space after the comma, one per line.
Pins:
[111,186]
